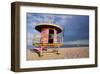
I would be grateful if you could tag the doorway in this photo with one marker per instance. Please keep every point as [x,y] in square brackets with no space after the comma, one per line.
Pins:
[51,36]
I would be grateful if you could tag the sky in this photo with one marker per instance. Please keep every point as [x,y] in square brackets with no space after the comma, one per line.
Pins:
[76,27]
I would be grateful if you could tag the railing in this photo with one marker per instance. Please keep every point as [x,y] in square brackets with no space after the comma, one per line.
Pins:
[59,39]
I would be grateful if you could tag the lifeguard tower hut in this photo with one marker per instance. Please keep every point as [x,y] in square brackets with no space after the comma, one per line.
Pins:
[49,36]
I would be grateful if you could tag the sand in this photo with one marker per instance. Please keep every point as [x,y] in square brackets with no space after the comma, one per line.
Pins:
[65,53]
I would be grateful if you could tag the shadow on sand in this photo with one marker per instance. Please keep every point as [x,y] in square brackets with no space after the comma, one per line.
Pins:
[35,51]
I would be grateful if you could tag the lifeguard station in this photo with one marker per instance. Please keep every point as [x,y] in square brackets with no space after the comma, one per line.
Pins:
[49,37]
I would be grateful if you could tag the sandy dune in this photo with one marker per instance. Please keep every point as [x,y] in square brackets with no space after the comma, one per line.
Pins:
[65,53]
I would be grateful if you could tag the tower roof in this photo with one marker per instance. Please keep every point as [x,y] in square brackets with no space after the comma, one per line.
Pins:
[47,25]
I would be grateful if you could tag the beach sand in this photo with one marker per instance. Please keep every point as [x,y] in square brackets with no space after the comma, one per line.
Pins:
[65,53]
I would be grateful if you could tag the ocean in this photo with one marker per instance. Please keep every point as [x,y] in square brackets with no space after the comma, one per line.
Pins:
[64,46]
